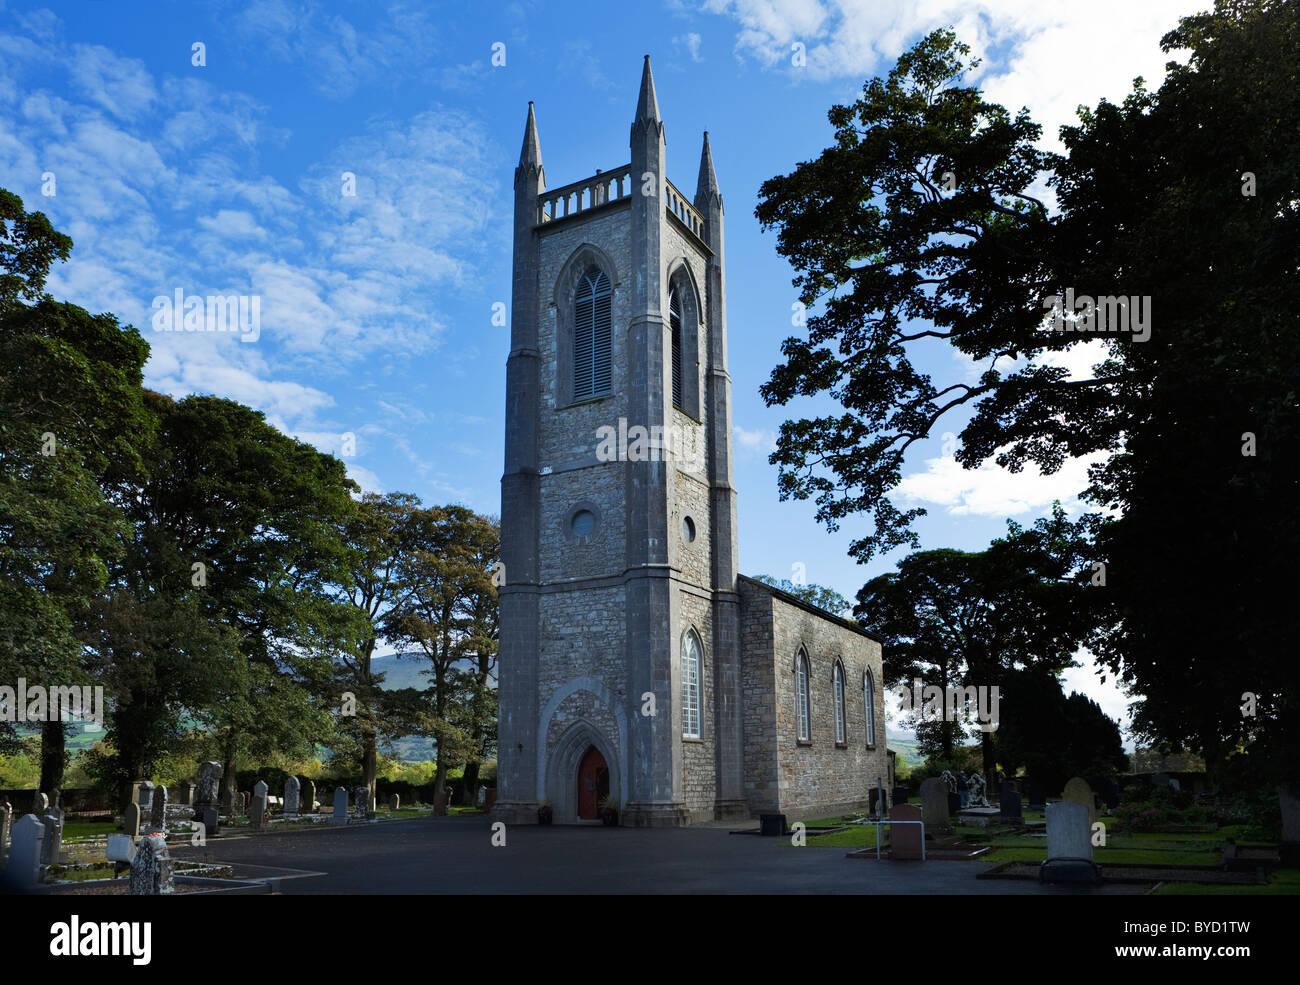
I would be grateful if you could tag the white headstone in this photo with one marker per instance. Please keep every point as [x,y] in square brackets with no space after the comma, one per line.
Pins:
[1069,831]
[121,848]
[340,806]
[25,853]
[292,790]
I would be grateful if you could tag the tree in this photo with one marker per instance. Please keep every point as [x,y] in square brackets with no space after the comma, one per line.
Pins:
[1183,200]
[1085,742]
[447,572]
[70,423]
[824,598]
[957,618]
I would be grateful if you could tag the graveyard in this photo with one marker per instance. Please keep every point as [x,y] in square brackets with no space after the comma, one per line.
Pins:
[187,843]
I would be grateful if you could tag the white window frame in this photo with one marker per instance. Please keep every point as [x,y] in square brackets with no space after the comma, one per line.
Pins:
[803,697]
[837,686]
[692,718]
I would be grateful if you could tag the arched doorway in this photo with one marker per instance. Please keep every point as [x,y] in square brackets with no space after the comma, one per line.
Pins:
[593,784]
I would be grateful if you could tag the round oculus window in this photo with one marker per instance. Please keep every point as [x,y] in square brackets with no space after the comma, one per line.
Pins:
[582,523]
[688,529]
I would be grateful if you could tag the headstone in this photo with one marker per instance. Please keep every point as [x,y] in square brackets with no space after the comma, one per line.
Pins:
[143,795]
[308,796]
[151,869]
[185,795]
[905,839]
[208,789]
[361,798]
[6,819]
[210,819]
[1034,795]
[1009,803]
[394,802]
[1289,801]
[1069,844]
[482,796]
[292,792]
[131,820]
[340,806]
[954,803]
[158,812]
[25,853]
[230,801]
[1077,791]
[56,796]
[121,848]
[934,803]
[40,803]
[1161,779]
[258,805]
[246,801]
[52,843]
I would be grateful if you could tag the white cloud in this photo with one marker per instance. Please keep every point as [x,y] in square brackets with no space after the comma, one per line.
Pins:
[757,440]
[1049,57]
[993,491]
[691,42]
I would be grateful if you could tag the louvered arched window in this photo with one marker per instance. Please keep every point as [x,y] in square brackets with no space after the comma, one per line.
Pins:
[591,335]
[675,329]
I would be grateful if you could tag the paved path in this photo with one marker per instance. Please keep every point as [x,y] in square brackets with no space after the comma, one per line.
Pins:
[455,855]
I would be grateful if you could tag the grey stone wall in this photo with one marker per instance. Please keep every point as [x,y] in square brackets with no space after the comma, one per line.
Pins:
[820,776]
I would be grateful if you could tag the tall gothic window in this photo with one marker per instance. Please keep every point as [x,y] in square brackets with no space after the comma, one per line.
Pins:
[803,700]
[869,696]
[839,702]
[591,336]
[675,329]
[691,686]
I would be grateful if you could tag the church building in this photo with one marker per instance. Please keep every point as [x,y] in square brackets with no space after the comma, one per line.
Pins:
[639,670]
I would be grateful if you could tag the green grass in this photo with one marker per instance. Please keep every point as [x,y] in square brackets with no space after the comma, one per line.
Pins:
[1284,882]
[74,830]
[855,836]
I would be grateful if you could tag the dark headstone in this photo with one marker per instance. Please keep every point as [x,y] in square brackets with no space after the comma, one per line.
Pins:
[954,804]
[208,790]
[905,841]
[1009,802]
[771,824]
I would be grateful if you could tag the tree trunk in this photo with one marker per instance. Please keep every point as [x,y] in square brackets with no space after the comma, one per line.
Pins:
[229,762]
[369,739]
[990,762]
[470,793]
[54,758]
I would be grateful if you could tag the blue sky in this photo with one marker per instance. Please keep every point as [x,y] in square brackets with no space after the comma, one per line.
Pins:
[376,319]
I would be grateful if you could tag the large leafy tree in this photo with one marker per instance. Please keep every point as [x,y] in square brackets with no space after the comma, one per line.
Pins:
[974,619]
[71,421]
[449,615]
[918,227]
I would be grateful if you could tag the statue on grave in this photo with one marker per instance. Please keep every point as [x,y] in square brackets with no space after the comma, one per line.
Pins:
[977,787]
[949,780]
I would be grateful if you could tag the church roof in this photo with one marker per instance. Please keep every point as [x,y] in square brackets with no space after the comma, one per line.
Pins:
[799,603]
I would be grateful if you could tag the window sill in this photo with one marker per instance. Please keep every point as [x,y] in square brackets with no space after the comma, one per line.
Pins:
[695,739]
[841,745]
[803,742]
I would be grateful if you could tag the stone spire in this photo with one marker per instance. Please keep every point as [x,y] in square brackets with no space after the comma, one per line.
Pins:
[706,186]
[647,104]
[530,155]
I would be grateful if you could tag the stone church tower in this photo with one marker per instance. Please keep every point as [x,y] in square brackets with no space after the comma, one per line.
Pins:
[620,612]
[638,668]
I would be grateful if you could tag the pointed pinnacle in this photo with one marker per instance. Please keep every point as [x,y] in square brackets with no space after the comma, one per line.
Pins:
[707,183]
[531,153]
[647,104]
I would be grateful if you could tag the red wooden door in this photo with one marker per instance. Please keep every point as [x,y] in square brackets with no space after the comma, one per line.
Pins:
[593,783]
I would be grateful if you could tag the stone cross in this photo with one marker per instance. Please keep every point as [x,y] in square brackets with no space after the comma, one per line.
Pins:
[158,812]
[361,797]
[151,869]
[209,785]
[340,806]
[292,791]
[25,854]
